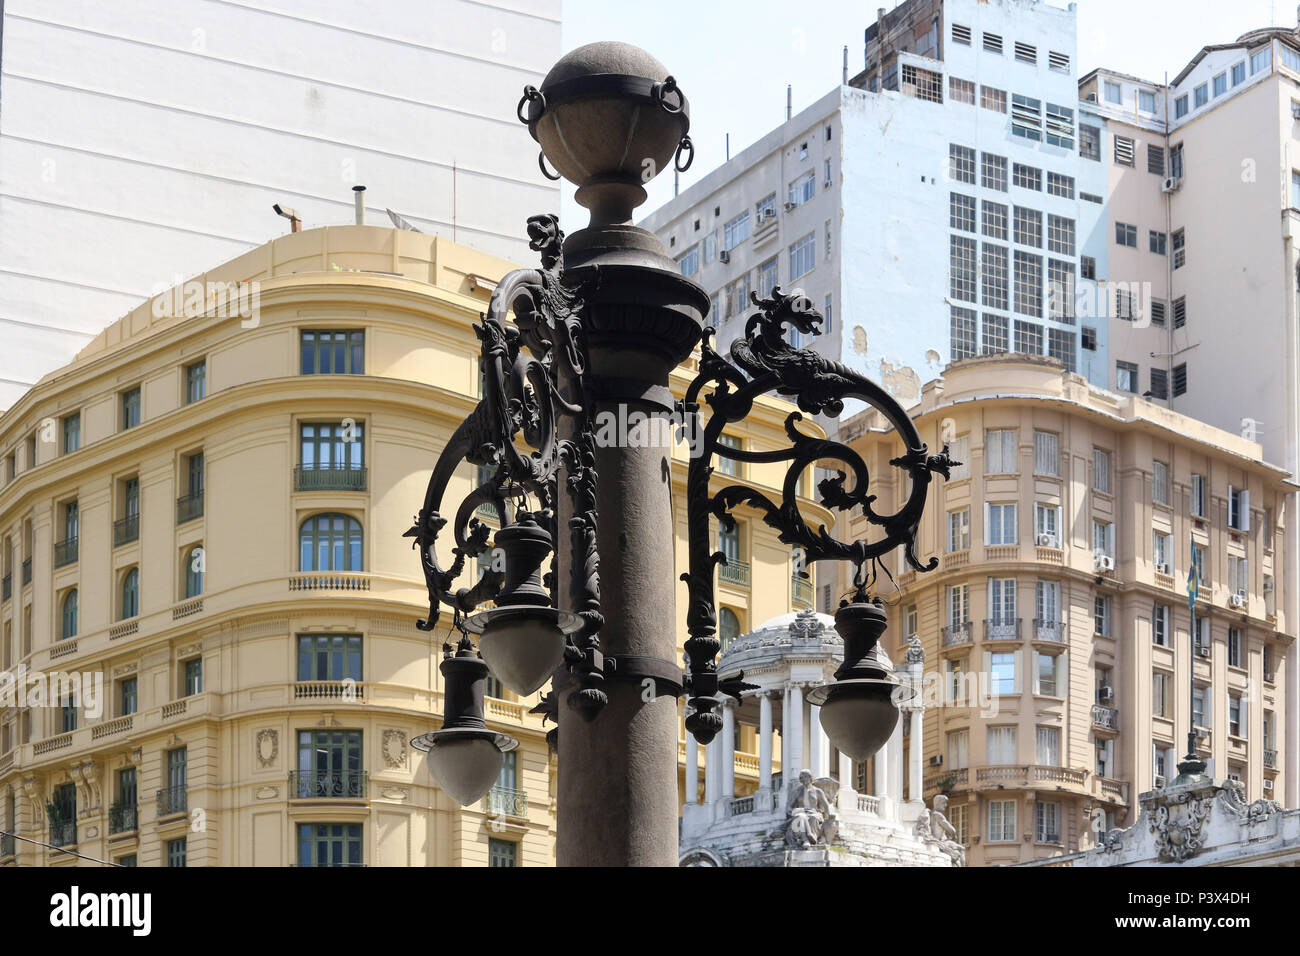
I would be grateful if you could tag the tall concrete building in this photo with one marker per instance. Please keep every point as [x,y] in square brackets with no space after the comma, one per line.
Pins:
[934,207]
[140,142]
[202,519]
[1204,264]
[1062,663]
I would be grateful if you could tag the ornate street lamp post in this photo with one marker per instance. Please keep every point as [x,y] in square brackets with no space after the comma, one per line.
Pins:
[596,333]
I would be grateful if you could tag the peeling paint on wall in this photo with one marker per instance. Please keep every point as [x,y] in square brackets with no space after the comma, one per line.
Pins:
[859,340]
[901,381]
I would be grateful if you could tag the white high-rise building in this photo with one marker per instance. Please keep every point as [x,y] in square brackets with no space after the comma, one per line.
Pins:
[934,207]
[142,141]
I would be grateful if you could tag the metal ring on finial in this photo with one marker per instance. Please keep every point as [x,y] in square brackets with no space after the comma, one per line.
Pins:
[531,93]
[666,88]
[689,148]
[541,164]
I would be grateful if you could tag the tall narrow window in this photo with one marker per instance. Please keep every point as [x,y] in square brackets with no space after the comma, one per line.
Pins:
[130,606]
[69,628]
[131,408]
[196,381]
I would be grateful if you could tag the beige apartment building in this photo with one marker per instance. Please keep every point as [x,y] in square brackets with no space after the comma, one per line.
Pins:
[204,512]
[1056,627]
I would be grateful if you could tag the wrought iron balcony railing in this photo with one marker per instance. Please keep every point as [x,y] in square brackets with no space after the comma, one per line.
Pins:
[330,479]
[1001,629]
[1046,630]
[956,634]
[63,833]
[65,552]
[506,801]
[126,529]
[1104,716]
[734,572]
[123,819]
[328,784]
[27,571]
[1270,759]
[173,800]
[189,507]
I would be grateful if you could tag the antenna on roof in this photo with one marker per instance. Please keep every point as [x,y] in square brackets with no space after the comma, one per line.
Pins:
[359,204]
[295,224]
[789,101]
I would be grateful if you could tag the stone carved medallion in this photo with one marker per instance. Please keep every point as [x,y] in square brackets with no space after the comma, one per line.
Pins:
[1179,826]
[268,747]
[394,748]
[266,793]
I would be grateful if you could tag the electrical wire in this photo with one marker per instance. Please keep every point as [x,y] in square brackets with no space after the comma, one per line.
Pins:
[59,849]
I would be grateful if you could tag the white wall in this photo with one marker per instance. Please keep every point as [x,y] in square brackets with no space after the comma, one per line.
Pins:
[142,142]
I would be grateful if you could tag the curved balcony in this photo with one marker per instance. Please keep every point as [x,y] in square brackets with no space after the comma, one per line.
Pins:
[955,635]
[1030,774]
[506,802]
[125,530]
[735,573]
[1105,718]
[1048,631]
[65,552]
[1001,629]
[173,800]
[189,507]
[123,819]
[328,784]
[63,833]
[332,479]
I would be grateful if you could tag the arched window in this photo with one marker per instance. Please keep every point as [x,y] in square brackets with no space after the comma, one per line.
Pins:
[194,571]
[728,626]
[70,614]
[131,593]
[330,542]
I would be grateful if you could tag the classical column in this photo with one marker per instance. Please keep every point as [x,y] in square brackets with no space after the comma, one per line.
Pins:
[846,772]
[692,769]
[914,757]
[895,786]
[880,772]
[764,739]
[792,763]
[816,741]
[785,733]
[711,776]
[728,748]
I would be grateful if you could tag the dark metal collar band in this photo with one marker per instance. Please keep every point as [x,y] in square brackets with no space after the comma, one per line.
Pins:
[663,93]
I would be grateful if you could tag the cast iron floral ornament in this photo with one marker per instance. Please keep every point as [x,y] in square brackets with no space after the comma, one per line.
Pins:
[533,436]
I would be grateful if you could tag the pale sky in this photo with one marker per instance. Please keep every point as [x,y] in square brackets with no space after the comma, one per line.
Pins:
[734,58]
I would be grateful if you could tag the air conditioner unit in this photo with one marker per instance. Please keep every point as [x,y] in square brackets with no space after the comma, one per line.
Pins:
[1202,650]
[827,184]
[1268,786]
[1160,781]
[1237,600]
[1202,733]
[1235,776]
[790,205]
[1105,694]
[1047,541]
[1103,562]
[724,256]
[1163,569]
[936,760]
[1268,585]
[1171,184]
[766,216]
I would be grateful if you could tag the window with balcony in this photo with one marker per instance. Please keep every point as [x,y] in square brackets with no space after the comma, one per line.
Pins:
[1000,524]
[331,457]
[123,815]
[329,844]
[959,530]
[1047,525]
[62,811]
[329,657]
[129,605]
[1238,578]
[333,352]
[1002,746]
[725,465]
[127,528]
[329,765]
[69,615]
[1162,552]
[190,505]
[330,542]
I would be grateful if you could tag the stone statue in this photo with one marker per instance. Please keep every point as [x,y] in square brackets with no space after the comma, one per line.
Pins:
[943,832]
[809,820]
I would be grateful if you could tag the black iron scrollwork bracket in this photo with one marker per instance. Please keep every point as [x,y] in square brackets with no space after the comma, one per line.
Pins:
[763,361]
[536,397]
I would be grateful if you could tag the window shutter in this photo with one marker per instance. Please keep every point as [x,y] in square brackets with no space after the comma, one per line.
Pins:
[1232,501]
[1244,521]
[1060,527]
[987,536]
[1063,674]
[1038,660]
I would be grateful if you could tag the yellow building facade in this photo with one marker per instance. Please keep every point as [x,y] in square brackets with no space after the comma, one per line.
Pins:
[202,522]
[1058,642]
